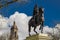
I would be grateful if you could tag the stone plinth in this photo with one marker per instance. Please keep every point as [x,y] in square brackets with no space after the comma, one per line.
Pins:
[44,37]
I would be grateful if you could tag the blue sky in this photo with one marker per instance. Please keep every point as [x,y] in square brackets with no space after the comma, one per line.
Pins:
[51,9]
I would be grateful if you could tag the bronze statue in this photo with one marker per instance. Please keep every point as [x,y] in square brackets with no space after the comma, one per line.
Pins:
[39,19]
[14,30]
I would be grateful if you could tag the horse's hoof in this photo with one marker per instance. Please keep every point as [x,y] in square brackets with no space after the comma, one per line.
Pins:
[29,35]
[37,33]
[39,28]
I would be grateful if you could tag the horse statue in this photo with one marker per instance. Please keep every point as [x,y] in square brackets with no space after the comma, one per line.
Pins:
[35,21]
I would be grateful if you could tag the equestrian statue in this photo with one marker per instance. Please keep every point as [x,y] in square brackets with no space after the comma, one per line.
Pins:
[37,19]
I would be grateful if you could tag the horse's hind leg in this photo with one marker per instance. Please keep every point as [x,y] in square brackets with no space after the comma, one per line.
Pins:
[34,30]
[29,30]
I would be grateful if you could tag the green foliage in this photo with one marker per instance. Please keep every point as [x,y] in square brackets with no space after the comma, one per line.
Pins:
[33,37]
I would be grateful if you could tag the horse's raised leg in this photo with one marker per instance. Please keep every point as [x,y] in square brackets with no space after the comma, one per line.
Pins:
[34,30]
[42,30]
[42,27]
[29,30]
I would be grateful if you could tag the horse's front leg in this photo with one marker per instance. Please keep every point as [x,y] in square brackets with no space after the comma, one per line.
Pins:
[42,25]
[40,28]
[34,30]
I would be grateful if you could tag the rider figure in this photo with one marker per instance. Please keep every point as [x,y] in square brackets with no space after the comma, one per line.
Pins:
[35,13]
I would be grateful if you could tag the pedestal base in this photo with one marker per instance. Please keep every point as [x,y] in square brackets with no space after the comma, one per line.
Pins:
[43,36]
[40,36]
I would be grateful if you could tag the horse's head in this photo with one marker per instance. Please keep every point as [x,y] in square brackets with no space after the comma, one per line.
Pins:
[41,10]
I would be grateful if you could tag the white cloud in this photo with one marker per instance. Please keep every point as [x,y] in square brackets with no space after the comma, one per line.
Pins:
[58,26]
[3,25]
[46,29]
[3,22]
